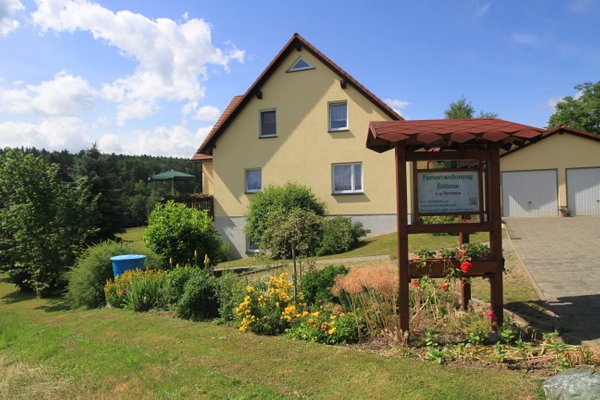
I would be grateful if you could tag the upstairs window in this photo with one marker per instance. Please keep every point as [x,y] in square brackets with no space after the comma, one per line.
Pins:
[347,178]
[338,116]
[268,123]
[300,65]
[253,180]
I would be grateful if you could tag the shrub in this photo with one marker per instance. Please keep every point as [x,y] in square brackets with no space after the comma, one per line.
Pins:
[93,268]
[175,285]
[182,235]
[145,291]
[231,290]
[199,300]
[440,219]
[340,234]
[287,197]
[324,327]
[317,284]
[269,311]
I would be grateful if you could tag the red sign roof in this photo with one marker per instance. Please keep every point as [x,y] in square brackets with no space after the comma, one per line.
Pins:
[443,133]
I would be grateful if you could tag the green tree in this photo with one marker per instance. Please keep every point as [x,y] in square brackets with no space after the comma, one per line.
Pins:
[106,186]
[462,108]
[286,198]
[296,232]
[582,111]
[44,222]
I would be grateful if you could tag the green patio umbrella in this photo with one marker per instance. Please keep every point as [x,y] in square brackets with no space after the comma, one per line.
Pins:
[172,176]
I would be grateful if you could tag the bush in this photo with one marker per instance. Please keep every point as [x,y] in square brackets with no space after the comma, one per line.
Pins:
[231,290]
[324,327]
[94,268]
[317,284]
[199,300]
[339,235]
[115,291]
[269,311]
[145,291]
[175,285]
[183,236]
[287,197]
[441,219]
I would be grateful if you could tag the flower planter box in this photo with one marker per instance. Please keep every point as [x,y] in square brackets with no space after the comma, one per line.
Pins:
[439,267]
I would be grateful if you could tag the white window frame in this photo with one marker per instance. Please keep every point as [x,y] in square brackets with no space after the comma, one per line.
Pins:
[353,190]
[246,172]
[335,103]
[260,123]
[292,69]
[249,248]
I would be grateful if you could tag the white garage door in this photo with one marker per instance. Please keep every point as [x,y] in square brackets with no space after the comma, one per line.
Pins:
[529,193]
[583,191]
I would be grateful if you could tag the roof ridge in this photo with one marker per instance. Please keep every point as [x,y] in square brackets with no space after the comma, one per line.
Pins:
[207,144]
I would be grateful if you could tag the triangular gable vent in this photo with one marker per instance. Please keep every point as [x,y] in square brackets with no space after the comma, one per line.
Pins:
[300,65]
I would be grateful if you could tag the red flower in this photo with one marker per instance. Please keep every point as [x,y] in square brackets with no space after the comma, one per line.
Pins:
[324,325]
[466,266]
[415,283]
[444,286]
[490,314]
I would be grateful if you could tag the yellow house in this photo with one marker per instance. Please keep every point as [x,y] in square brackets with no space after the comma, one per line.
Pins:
[303,120]
[560,170]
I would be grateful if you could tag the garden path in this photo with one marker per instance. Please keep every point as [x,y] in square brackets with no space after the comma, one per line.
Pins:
[563,257]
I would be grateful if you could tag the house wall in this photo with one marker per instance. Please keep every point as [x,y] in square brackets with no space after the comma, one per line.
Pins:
[303,151]
[559,151]
[207,178]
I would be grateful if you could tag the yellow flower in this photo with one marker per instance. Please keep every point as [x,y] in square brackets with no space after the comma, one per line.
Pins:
[249,289]
[333,317]
[331,331]
[316,314]
[304,313]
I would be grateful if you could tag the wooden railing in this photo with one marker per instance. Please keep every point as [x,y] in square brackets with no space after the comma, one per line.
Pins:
[197,201]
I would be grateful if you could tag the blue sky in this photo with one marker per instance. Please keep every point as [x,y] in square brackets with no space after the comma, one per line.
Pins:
[151,77]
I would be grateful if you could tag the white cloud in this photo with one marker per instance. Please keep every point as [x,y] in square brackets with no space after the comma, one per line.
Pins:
[176,141]
[481,8]
[552,102]
[8,9]
[398,105]
[52,134]
[172,58]
[207,113]
[579,6]
[524,38]
[65,95]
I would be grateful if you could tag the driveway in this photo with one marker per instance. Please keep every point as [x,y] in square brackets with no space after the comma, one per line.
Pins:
[563,257]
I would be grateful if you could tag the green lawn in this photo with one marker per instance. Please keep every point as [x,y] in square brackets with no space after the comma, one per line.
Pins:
[134,235]
[49,352]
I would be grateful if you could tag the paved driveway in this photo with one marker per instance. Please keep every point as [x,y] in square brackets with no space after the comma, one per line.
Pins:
[563,257]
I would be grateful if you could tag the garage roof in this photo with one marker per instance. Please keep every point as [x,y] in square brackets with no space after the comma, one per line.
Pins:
[560,130]
[443,133]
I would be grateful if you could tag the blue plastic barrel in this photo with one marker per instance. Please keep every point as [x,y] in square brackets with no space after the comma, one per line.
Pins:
[127,262]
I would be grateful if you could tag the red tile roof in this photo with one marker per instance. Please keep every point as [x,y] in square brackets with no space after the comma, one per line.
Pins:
[443,132]
[560,130]
[297,42]
[201,157]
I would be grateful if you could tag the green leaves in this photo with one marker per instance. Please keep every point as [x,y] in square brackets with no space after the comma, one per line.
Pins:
[182,235]
[582,111]
[43,221]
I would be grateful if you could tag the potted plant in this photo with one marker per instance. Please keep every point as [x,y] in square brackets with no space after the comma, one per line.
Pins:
[564,212]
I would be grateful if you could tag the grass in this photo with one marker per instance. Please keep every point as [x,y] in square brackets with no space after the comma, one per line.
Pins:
[49,352]
[134,235]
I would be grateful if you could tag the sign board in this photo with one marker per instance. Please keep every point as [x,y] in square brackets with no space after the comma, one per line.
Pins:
[448,192]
